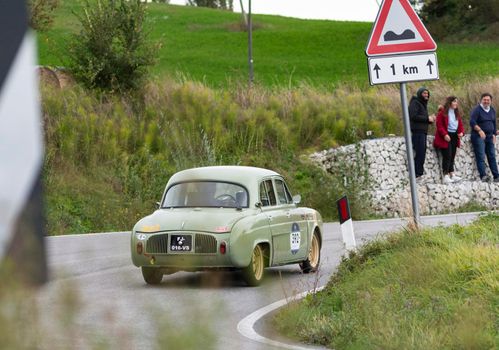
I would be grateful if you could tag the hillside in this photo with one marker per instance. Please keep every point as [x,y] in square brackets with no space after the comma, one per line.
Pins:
[108,157]
[209,46]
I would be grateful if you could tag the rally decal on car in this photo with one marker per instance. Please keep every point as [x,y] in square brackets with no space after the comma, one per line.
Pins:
[295,238]
[149,228]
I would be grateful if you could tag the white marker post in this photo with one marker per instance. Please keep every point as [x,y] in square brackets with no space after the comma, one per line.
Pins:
[346,224]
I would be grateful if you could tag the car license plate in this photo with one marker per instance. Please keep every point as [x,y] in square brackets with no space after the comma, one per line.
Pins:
[180,243]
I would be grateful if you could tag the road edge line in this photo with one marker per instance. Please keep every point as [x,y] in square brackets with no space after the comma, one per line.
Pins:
[246,326]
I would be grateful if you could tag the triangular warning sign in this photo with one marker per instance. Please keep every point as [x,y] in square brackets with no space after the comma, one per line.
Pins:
[397,30]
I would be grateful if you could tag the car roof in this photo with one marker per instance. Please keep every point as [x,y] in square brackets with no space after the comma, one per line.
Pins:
[244,175]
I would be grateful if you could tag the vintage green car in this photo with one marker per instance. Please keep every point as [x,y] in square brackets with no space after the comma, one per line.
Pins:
[226,218]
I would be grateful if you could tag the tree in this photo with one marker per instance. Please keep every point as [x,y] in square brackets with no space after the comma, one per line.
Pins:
[112,51]
[216,4]
[454,20]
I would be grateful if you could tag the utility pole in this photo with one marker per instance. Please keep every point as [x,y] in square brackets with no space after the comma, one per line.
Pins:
[250,44]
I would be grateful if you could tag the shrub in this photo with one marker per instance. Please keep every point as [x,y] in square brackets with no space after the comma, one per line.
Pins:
[111,52]
[454,20]
[41,13]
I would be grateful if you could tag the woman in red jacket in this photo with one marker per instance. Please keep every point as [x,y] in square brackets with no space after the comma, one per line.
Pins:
[448,135]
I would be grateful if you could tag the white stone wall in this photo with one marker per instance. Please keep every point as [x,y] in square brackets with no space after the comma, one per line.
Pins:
[387,167]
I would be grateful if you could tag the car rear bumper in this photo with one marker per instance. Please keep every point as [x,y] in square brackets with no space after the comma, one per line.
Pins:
[204,252]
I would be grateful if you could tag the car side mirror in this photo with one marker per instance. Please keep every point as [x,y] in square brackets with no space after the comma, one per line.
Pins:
[158,205]
[258,204]
[296,199]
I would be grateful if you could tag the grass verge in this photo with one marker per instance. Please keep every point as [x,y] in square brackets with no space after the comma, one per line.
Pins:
[434,289]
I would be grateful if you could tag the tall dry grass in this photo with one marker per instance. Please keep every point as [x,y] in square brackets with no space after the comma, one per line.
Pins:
[108,157]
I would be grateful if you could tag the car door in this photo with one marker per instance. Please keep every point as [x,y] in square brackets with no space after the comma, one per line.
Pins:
[289,229]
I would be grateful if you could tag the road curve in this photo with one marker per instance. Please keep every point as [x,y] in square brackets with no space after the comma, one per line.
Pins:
[93,280]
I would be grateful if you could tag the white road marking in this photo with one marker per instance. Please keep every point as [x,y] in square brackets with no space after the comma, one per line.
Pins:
[247,324]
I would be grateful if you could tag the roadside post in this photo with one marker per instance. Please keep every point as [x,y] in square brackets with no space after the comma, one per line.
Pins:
[250,44]
[400,50]
[22,249]
[346,225]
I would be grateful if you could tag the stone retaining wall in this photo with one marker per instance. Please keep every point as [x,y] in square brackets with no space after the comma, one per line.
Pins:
[386,161]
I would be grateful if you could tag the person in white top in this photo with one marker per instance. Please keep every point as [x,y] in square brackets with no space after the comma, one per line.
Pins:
[449,130]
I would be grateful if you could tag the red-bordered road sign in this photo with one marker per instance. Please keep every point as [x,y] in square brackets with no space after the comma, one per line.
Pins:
[398,30]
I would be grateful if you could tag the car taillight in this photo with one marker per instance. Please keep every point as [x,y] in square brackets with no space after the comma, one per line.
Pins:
[223,248]
[140,248]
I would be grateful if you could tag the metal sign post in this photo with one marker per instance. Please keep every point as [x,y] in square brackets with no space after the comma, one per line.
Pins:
[410,155]
[250,44]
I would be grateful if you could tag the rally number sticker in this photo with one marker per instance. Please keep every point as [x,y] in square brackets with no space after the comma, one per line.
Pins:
[295,238]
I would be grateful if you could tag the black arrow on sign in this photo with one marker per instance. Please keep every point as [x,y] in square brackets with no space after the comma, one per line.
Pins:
[430,64]
[377,69]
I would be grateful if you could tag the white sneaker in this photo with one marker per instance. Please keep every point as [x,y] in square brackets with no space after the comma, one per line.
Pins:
[456,178]
[447,180]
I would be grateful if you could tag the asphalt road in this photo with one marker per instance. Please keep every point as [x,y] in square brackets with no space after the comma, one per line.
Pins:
[97,297]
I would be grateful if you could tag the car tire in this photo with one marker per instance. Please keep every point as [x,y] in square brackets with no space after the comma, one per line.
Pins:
[254,272]
[152,275]
[314,256]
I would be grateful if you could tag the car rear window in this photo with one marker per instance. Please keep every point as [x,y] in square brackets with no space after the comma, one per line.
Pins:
[206,194]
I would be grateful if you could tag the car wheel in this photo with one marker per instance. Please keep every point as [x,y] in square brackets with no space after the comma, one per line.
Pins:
[253,274]
[152,275]
[314,256]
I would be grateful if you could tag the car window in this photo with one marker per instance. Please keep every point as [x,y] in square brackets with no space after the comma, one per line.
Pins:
[282,193]
[206,194]
[267,194]
[264,198]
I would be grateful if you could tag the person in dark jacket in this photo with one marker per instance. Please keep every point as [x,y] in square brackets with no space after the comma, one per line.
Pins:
[420,120]
[449,130]
[483,136]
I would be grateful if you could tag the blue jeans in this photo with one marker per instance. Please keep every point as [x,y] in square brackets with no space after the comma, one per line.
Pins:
[484,148]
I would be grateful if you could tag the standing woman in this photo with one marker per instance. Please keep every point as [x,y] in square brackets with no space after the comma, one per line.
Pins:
[448,135]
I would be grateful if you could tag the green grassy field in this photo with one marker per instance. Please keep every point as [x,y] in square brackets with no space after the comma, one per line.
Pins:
[208,45]
[435,289]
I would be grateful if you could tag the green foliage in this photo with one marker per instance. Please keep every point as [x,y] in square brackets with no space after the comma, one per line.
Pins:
[109,157]
[122,150]
[111,52]
[351,178]
[454,20]
[436,289]
[41,13]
